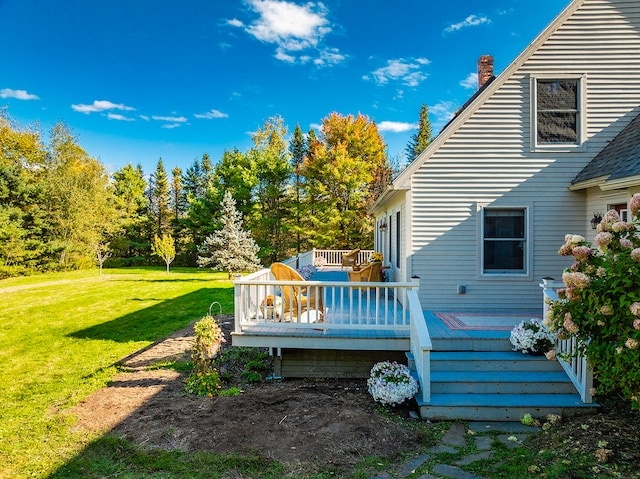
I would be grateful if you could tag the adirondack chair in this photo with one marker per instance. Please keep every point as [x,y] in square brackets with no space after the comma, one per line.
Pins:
[350,258]
[299,302]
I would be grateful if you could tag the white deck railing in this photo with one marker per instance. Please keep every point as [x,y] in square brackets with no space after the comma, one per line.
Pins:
[575,365]
[260,300]
[329,257]
[420,342]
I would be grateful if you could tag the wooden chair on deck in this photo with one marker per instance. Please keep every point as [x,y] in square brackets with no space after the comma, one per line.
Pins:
[298,299]
[369,273]
[350,258]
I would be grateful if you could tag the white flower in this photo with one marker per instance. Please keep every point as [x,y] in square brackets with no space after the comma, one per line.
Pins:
[532,336]
[391,383]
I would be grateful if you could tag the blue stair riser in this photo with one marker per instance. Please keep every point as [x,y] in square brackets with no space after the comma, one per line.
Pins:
[472,344]
[515,414]
[565,387]
[490,362]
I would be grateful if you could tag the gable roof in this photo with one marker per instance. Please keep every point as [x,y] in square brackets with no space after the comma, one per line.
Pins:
[403,180]
[619,159]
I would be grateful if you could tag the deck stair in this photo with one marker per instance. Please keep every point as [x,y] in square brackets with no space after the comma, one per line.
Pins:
[481,378]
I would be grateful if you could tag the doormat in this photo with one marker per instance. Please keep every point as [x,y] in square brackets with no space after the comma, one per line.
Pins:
[484,321]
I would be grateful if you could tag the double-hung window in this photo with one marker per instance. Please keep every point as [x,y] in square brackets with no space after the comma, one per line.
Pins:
[557,111]
[504,238]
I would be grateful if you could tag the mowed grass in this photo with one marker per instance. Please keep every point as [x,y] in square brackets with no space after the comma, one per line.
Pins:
[60,338]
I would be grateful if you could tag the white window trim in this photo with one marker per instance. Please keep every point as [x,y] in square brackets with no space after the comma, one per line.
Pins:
[580,145]
[528,238]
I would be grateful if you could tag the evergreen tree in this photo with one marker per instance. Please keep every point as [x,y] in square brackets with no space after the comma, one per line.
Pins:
[22,195]
[158,195]
[421,139]
[269,222]
[230,249]
[129,191]
[236,172]
[177,193]
[298,150]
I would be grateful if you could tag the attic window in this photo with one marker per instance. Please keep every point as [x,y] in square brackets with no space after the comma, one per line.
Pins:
[557,110]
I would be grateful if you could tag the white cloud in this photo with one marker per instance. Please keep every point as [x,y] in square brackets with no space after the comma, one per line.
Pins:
[145,117]
[471,82]
[470,21]
[17,94]
[234,22]
[442,113]
[171,126]
[174,119]
[330,56]
[294,29]
[316,126]
[117,116]
[100,105]
[211,115]
[396,126]
[409,72]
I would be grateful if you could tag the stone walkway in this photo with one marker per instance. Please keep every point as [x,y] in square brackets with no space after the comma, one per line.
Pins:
[477,437]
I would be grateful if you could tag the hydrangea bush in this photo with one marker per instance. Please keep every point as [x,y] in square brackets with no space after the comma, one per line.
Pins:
[600,305]
[391,383]
[532,337]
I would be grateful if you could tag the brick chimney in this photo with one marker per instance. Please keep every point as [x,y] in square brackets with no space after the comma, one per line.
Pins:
[485,70]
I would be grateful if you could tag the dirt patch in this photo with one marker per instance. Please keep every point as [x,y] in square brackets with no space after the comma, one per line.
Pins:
[293,421]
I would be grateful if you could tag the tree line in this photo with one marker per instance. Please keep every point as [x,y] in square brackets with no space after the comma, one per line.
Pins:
[60,208]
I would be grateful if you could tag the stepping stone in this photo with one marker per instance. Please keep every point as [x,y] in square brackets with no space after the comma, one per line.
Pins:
[456,435]
[465,461]
[503,426]
[483,443]
[412,465]
[441,449]
[504,439]
[454,472]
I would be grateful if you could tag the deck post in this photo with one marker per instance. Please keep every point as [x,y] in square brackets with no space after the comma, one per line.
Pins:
[238,304]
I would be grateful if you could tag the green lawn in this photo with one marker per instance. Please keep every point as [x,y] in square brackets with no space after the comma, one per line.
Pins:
[60,336]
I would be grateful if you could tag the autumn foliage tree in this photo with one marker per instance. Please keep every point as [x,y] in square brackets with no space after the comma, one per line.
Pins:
[345,169]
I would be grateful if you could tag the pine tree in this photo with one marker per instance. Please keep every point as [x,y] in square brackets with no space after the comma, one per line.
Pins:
[159,199]
[421,139]
[298,150]
[177,193]
[231,249]
[270,220]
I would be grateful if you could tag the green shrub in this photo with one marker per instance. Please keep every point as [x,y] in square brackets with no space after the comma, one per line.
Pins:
[600,305]
[205,379]
[203,383]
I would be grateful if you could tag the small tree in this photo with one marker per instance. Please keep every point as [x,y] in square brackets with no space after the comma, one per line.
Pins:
[600,306]
[231,248]
[103,253]
[164,247]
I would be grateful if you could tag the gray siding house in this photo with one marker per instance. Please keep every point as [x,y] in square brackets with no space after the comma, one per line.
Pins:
[480,215]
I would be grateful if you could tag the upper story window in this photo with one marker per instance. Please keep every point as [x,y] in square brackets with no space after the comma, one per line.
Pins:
[557,111]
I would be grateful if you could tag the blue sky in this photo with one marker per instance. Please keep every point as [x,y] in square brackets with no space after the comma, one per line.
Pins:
[139,79]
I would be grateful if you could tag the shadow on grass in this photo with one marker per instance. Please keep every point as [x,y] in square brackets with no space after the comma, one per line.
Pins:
[160,320]
[111,456]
